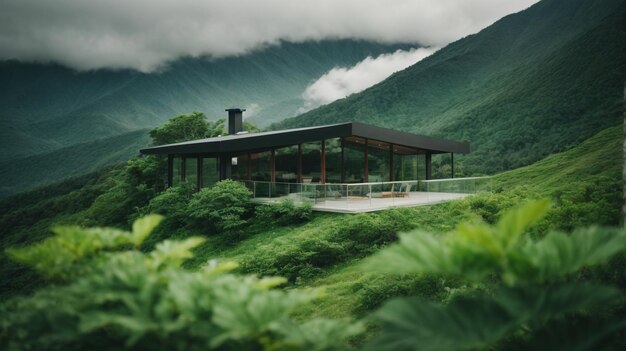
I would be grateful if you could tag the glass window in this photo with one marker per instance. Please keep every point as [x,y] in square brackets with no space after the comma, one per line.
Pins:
[311,162]
[239,167]
[286,159]
[354,159]
[333,160]
[378,161]
[210,172]
[405,163]
[421,166]
[191,170]
[176,170]
[261,166]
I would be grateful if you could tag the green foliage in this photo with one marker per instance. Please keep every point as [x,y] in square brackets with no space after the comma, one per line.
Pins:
[536,291]
[186,127]
[477,322]
[172,203]
[285,212]
[476,250]
[56,256]
[128,300]
[222,207]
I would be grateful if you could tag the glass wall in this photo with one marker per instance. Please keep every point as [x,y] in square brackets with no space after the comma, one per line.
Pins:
[311,162]
[261,167]
[378,161]
[210,171]
[239,167]
[354,159]
[405,163]
[421,169]
[333,160]
[176,170]
[191,170]
[286,160]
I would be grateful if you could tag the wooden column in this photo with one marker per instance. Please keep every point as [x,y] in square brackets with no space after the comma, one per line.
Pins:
[323,163]
[199,172]
[299,165]
[170,170]
[273,165]
[428,164]
[366,170]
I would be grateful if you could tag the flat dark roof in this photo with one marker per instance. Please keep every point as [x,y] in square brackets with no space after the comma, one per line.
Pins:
[274,139]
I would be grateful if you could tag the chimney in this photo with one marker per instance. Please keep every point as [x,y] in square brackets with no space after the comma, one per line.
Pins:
[235,120]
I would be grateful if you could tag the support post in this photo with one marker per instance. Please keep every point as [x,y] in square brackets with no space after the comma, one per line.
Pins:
[343,167]
[183,169]
[273,166]
[225,166]
[299,166]
[428,165]
[366,173]
[199,172]
[323,165]
[391,163]
[249,165]
[170,170]
[452,164]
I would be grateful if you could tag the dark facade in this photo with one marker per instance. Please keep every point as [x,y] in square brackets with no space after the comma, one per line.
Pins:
[339,153]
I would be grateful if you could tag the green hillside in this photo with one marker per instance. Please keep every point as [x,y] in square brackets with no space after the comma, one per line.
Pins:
[585,183]
[71,161]
[534,83]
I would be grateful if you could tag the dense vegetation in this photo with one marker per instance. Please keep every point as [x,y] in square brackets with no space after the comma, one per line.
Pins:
[532,84]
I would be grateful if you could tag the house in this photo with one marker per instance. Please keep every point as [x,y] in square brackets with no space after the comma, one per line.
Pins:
[339,153]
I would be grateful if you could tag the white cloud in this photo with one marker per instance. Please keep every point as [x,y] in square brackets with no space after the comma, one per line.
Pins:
[147,34]
[341,82]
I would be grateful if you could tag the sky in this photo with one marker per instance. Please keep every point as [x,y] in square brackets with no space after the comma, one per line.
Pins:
[146,35]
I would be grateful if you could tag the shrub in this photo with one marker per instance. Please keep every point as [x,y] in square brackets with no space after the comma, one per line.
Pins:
[222,207]
[532,300]
[285,212]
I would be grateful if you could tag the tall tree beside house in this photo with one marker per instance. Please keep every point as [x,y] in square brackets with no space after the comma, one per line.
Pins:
[187,127]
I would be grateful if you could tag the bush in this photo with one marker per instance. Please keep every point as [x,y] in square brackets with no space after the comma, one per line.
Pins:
[114,297]
[285,212]
[222,207]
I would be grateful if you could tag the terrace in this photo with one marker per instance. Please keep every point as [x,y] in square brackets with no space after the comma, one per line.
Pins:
[346,167]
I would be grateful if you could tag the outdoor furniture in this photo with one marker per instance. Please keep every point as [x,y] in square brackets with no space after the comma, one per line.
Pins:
[405,190]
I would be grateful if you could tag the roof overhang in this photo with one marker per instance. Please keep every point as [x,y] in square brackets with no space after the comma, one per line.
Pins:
[233,144]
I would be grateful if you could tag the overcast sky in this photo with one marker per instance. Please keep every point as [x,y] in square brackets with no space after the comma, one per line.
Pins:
[147,34]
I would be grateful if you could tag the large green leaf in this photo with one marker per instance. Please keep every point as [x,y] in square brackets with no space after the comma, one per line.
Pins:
[479,322]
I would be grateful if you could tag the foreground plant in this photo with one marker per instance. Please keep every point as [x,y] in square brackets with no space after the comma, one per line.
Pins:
[532,299]
[114,296]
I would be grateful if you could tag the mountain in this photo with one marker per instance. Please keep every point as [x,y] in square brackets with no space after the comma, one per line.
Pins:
[534,83]
[50,115]
[45,107]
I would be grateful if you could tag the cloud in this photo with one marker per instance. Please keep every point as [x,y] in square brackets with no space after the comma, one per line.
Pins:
[147,34]
[341,82]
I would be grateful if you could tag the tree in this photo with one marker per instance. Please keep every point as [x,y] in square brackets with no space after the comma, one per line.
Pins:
[186,127]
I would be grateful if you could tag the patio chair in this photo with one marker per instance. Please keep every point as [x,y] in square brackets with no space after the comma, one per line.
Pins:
[405,190]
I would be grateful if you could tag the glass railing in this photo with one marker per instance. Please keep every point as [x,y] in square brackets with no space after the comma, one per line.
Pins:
[370,196]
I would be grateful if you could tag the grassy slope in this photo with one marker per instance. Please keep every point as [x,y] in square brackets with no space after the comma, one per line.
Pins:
[349,291]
